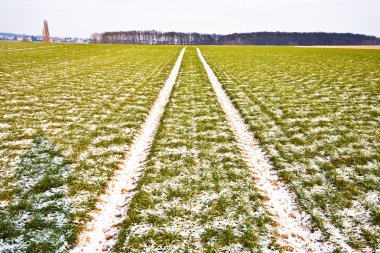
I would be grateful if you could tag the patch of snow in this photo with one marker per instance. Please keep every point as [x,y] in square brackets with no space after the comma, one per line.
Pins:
[4,125]
[293,225]
[101,232]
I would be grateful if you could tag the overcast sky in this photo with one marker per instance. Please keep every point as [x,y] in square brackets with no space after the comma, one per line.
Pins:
[81,18]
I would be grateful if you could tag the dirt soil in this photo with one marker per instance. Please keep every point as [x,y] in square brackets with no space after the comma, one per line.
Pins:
[349,47]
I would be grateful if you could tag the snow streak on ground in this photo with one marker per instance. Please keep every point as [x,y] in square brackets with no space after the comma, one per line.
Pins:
[196,194]
[100,233]
[315,112]
[91,114]
[293,225]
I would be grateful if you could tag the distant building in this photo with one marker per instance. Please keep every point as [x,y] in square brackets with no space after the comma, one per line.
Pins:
[39,38]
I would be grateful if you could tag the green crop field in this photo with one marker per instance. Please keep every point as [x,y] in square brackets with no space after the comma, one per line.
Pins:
[317,114]
[69,115]
[197,193]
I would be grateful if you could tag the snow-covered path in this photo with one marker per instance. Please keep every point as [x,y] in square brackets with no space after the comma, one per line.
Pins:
[101,232]
[293,225]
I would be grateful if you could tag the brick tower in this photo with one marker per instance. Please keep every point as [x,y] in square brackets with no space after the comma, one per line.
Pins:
[45,32]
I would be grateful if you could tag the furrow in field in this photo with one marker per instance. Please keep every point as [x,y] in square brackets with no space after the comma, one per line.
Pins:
[100,232]
[293,225]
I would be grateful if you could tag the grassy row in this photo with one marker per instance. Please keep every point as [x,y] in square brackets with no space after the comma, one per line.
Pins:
[69,110]
[196,193]
[316,112]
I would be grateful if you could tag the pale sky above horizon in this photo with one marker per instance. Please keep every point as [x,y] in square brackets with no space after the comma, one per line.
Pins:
[81,18]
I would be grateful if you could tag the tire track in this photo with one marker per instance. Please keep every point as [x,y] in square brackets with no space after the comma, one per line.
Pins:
[295,233]
[101,232]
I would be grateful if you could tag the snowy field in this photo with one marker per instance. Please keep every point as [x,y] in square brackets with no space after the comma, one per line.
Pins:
[68,115]
[71,117]
[317,114]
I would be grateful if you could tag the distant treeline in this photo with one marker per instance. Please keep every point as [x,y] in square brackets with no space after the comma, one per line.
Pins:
[255,38]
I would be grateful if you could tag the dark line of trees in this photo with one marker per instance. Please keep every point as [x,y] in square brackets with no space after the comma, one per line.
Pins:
[255,38]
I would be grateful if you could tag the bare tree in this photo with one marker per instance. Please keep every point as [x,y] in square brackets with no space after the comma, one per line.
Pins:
[258,38]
